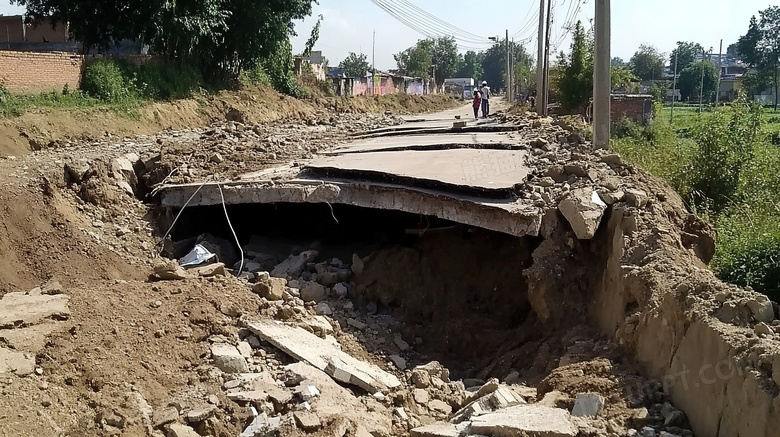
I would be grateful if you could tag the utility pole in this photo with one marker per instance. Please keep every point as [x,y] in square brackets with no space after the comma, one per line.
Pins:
[701,85]
[373,66]
[508,87]
[602,86]
[546,97]
[720,67]
[512,69]
[674,87]
[540,62]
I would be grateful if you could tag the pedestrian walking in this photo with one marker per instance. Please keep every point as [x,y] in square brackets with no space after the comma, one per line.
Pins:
[486,95]
[477,103]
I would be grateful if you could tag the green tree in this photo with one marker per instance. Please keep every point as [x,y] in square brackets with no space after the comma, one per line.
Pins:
[617,62]
[355,65]
[314,37]
[446,59]
[416,60]
[648,63]
[760,46]
[471,66]
[686,54]
[222,37]
[690,81]
[623,77]
[494,62]
[576,79]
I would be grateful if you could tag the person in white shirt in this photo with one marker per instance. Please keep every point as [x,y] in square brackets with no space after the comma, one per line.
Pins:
[486,95]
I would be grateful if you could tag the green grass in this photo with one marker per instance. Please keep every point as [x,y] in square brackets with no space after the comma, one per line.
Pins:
[725,164]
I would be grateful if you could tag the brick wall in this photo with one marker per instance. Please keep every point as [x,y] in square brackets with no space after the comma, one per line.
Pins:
[34,72]
[638,110]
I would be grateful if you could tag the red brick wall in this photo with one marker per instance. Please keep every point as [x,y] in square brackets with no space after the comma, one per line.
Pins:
[629,108]
[33,72]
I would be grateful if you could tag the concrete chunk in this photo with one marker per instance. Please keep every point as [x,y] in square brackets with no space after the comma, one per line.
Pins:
[441,429]
[583,209]
[178,430]
[262,425]
[228,359]
[294,264]
[32,308]
[762,310]
[15,362]
[525,421]
[325,356]
[588,405]
[271,288]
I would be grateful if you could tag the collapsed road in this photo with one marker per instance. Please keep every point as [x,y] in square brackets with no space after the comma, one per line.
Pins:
[421,276]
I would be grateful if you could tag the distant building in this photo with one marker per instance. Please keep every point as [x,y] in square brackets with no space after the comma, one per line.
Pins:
[17,34]
[316,61]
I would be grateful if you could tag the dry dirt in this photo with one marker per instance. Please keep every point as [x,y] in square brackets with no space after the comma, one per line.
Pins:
[135,348]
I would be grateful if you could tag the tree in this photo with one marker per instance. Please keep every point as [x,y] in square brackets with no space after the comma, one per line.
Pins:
[355,65]
[419,61]
[471,66]
[623,77]
[648,63]
[690,81]
[576,80]
[617,62]
[222,37]
[315,35]
[760,46]
[732,52]
[686,53]
[494,62]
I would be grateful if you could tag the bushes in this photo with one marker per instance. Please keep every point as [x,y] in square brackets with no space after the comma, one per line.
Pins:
[118,81]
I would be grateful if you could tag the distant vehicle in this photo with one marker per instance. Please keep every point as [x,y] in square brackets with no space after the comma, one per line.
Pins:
[463,85]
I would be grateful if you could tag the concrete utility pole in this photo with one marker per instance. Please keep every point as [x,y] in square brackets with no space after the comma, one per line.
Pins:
[720,68]
[508,85]
[373,66]
[674,87]
[546,97]
[602,86]
[540,61]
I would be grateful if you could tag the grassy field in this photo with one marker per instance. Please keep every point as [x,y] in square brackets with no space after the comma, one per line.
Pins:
[725,163]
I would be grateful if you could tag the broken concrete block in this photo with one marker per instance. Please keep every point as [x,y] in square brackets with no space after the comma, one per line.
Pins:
[763,328]
[308,392]
[324,309]
[636,198]
[583,209]
[33,308]
[178,430]
[271,288]
[318,325]
[244,349]
[228,359]
[587,405]
[262,425]
[441,429]
[525,420]
[293,266]
[402,345]
[254,396]
[420,396]
[16,362]
[123,171]
[612,197]
[762,310]
[201,414]
[398,361]
[356,324]
[440,407]
[401,413]
[307,421]
[312,292]
[325,356]
[500,398]
[170,271]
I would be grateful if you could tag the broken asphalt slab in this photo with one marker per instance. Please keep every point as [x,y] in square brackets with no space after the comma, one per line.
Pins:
[323,355]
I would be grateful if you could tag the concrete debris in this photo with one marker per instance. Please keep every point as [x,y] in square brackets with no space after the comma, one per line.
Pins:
[262,426]
[357,264]
[312,292]
[308,392]
[307,421]
[401,413]
[16,362]
[636,198]
[178,430]
[498,399]
[356,324]
[324,309]
[583,209]
[402,345]
[341,290]
[588,405]
[271,288]
[398,362]
[764,329]
[201,414]
[294,265]
[762,310]
[440,407]
[170,271]
[323,355]
[525,421]
[228,359]
[420,396]
[441,429]
[25,309]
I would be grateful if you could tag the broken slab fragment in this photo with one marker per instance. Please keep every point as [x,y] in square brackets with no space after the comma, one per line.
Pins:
[441,429]
[15,362]
[583,209]
[32,308]
[525,421]
[324,355]
[262,425]
[588,405]
[294,264]
[228,359]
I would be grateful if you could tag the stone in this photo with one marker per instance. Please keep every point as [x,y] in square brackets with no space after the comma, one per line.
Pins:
[636,198]
[25,309]
[123,171]
[254,396]
[583,209]
[170,271]
[165,416]
[648,432]
[612,159]
[262,425]
[76,169]
[525,421]
[16,362]
[228,359]
[440,407]
[293,266]
[356,324]
[398,361]
[210,270]
[307,421]
[762,310]
[441,429]
[179,430]
[420,396]
[325,356]
[324,309]
[612,197]
[245,349]
[421,379]
[357,264]
[308,392]
[271,288]
[587,405]
[401,413]
[318,325]
[489,387]
[402,345]
[312,292]
[576,170]
[763,328]
[201,414]
[341,290]
[512,378]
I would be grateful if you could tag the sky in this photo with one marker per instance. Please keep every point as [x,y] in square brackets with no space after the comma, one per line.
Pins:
[349,25]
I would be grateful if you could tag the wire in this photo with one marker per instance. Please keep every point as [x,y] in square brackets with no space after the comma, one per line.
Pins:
[238,243]
[162,241]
